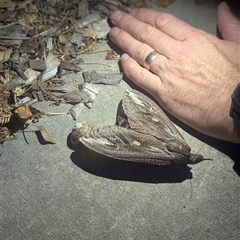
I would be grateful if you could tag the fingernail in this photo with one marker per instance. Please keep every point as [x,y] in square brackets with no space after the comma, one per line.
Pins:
[124,57]
[114,32]
[133,12]
[116,16]
[226,7]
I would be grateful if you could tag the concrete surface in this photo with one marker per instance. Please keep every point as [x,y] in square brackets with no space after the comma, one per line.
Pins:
[53,192]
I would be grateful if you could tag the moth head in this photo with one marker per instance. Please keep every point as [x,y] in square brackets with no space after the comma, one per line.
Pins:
[176,146]
[196,158]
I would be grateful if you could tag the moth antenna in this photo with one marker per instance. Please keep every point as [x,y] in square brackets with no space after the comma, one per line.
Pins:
[24,136]
[196,158]
[209,159]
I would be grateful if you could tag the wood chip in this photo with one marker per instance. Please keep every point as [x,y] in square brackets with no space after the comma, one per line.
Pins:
[7,4]
[47,136]
[31,76]
[52,63]
[77,39]
[40,96]
[75,110]
[82,9]
[13,35]
[40,43]
[90,18]
[5,55]
[107,78]
[77,96]
[38,65]
[70,66]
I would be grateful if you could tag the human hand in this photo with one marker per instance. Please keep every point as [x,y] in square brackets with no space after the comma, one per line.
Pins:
[193,77]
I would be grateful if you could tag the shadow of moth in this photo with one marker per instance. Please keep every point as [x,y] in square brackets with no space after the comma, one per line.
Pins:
[142,133]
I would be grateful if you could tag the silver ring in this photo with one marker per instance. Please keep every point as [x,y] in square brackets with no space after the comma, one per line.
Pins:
[148,60]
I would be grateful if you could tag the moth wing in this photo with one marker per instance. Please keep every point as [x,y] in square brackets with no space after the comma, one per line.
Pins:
[144,113]
[125,144]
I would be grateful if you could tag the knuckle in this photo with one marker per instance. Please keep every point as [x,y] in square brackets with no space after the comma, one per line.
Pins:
[162,20]
[145,33]
[201,35]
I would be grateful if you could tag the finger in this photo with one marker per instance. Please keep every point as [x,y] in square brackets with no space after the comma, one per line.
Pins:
[137,50]
[228,24]
[141,76]
[165,22]
[144,33]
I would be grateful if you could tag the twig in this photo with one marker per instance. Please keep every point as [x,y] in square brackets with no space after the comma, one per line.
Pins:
[48,113]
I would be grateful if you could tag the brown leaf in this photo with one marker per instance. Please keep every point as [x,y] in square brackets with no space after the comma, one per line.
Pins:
[24,112]
[164,3]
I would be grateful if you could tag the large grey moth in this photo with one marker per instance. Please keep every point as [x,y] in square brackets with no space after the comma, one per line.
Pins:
[142,133]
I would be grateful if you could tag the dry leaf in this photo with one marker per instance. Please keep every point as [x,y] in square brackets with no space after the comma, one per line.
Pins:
[4,134]
[24,112]
[28,19]
[112,55]
[4,119]
[164,3]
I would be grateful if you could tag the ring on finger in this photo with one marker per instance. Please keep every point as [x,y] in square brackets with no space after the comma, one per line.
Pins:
[150,57]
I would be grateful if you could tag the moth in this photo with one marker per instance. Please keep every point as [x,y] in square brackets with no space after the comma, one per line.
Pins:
[142,133]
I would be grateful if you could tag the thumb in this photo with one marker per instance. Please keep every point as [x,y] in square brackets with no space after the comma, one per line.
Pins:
[228,24]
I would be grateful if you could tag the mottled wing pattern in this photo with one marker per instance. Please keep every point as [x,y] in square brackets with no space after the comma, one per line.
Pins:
[152,137]
[125,144]
[145,112]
